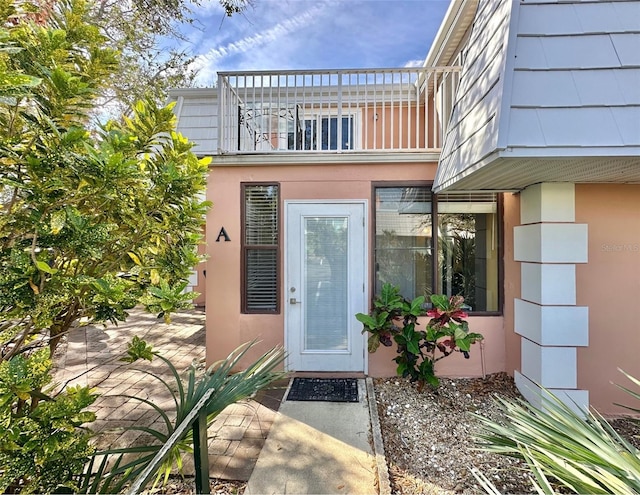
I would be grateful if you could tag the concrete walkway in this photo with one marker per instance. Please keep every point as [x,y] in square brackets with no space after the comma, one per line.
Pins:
[306,447]
[318,447]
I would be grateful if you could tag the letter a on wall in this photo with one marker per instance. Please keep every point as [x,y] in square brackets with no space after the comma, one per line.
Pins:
[223,233]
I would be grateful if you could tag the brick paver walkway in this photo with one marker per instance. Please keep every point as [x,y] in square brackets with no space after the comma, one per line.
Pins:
[93,358]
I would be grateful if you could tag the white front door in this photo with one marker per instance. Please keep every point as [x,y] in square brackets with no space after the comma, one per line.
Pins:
[325,285]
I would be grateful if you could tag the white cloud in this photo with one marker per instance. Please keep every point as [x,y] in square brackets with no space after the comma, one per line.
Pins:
[262,42]
[414,63]
[301,34]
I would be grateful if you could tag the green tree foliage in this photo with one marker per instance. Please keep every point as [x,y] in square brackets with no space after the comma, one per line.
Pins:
[92,222]
[42,447]
[154,54]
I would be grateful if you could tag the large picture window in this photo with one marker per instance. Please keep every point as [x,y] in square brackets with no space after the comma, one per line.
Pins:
[260,248]
[445,244]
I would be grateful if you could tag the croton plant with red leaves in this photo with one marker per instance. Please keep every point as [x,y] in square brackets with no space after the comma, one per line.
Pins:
[395,318]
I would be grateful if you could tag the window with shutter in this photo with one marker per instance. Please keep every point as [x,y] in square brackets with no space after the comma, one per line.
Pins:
[260,248]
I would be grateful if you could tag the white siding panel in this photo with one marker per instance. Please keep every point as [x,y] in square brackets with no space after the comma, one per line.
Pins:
[548,19]
[484,53]
[530,54]
[195,121]
[198,121]
[206,147]
[525,128]
[627,46]
[579,52]
[578,18]
[203,109]
[544,88]
[472,129]
[628,123]
[198,133]
[579,127]
[606,87]
[609,17]
[576,88]
[470,151]
[629,84]
[490,13]
[566,52]
[468,101]
[483,112]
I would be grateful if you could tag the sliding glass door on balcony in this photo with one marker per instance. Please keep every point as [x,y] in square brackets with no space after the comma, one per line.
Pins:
[321,133]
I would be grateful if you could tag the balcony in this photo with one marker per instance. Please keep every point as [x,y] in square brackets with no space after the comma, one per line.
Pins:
[340,111]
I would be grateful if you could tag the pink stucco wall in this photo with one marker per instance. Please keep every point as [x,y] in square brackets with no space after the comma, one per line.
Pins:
[610,285]
[227,328]
[488,357]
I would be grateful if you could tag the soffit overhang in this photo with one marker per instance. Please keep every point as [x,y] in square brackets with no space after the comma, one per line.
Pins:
[501,173]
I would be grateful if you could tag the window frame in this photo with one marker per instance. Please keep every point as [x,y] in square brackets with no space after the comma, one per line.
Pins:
[245,248]
[435,241]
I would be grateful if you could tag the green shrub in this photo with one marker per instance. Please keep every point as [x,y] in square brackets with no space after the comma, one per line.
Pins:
[42,441]
[418,350]
[580,452]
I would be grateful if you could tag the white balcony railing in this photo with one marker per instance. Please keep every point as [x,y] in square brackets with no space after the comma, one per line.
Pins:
[335,111]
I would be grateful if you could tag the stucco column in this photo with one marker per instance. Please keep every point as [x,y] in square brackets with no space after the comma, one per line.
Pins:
[549,244]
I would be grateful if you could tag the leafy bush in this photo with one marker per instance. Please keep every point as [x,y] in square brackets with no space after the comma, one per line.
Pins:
[582,453]
[94,220]
[418,350]
[42,440]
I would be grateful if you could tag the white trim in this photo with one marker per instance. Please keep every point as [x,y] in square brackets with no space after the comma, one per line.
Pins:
[550,332]
[178,110]
[458,18]
[328,157]
[551,243]
[549,366]
[176,92]
[577,400]
[559,326]
[548,202]
[548,283]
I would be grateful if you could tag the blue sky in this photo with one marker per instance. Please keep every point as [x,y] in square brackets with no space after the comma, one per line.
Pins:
[313,34]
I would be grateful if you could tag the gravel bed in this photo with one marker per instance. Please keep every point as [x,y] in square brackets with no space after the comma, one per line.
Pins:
[187,486]
[428,435]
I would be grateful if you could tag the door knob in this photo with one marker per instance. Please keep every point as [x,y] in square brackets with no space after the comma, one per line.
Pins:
[293,300]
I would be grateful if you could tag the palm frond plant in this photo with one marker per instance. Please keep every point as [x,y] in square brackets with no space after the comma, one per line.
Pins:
[632,393]
[112,469]
[580,451]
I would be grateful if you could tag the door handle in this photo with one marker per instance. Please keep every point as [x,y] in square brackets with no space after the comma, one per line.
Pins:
[293,300]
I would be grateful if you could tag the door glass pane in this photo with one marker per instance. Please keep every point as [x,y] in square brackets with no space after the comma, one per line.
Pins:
[310,134]
[325,272]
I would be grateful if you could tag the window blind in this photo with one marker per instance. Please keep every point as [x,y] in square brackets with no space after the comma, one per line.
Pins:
[260,248]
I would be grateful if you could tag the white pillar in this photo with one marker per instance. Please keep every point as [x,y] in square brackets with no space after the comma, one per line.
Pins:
[549,244]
